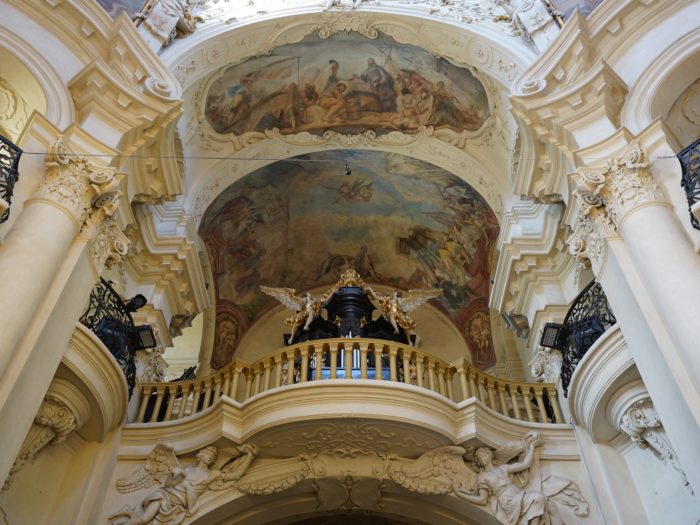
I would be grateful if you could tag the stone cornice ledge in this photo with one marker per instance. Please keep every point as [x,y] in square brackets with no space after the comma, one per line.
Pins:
[412,413]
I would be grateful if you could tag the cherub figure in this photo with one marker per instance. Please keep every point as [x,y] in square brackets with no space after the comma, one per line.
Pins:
[395,307]
[180,487]
[306,308]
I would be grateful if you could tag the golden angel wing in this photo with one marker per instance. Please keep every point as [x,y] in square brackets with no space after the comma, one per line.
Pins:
[437,471]
[157,466]
[417,297]
[286,296]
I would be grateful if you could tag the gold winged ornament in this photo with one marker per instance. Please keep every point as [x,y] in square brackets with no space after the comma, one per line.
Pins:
[306,308]
[177,495]
[395,307]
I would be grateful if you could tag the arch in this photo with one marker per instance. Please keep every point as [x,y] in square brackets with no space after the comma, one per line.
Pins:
[57,105]
[671,72]
[302,502]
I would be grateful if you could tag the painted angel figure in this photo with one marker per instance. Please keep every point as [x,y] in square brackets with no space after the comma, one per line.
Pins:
[395,307]
[180,487]
[306,308]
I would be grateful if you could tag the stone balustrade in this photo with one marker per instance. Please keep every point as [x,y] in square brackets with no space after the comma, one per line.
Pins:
[349,359]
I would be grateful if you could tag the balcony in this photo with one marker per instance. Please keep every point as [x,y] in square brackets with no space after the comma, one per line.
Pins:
[9,162]
[355,367]
[690,181]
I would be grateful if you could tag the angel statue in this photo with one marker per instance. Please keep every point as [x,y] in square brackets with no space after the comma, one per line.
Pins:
[395,307]
[479,475]
[180,487]
[306,308]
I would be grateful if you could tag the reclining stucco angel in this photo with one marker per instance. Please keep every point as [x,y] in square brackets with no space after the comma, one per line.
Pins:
[306,308]
[180,487]
[481,475]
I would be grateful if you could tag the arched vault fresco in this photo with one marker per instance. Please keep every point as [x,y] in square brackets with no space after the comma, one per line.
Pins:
[399,221]
[348,83]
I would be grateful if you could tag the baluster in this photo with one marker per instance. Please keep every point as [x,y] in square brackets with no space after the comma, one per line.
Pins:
[406,357]
[348,361]
[449,374]
[318,362]
[207,394]
[528,405]
[160,392]
[257,380]
[540,404]
[227,382]
[553,399]
[184,396]
[442,387]
[333,356]
[419,370]
[237,369]
[145,397]
[393,352]
[248,384]
[502,399]
[218,380]
[291,357]
[472,383]
[363,361]
[492,395]
[305,363]
[197,394]
[515,401]
[171,392]
[378,352]
[463,381]
[267,365]
[277,376]
[431,375]
[480,390]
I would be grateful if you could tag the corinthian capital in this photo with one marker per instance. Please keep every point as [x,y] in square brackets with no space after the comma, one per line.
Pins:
[608,193]
[642,424]
[77,185]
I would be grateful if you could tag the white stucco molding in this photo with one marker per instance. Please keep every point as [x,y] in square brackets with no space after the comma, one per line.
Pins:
[423,417]
[488,48]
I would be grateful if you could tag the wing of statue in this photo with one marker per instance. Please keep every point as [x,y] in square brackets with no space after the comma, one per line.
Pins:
[286,296]
[154,470]
[437,471]
[417,297]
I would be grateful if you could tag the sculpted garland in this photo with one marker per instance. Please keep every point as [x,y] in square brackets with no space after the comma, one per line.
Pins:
[507,478]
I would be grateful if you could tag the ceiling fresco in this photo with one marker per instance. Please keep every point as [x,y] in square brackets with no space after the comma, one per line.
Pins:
[348,83]
[400,222]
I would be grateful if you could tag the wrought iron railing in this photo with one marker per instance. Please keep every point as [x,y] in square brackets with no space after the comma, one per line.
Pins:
[690,181]
[109,318]
[588,318]
[9,161]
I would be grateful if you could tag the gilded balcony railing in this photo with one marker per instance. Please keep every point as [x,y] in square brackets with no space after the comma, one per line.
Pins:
[690,181]
[334,359]
[9,161]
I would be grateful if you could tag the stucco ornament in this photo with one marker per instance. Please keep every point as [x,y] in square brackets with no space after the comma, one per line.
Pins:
[151,366]
[179,488]
[642,424]
[545,366]
[53,423]
[77,185]
[518,495]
